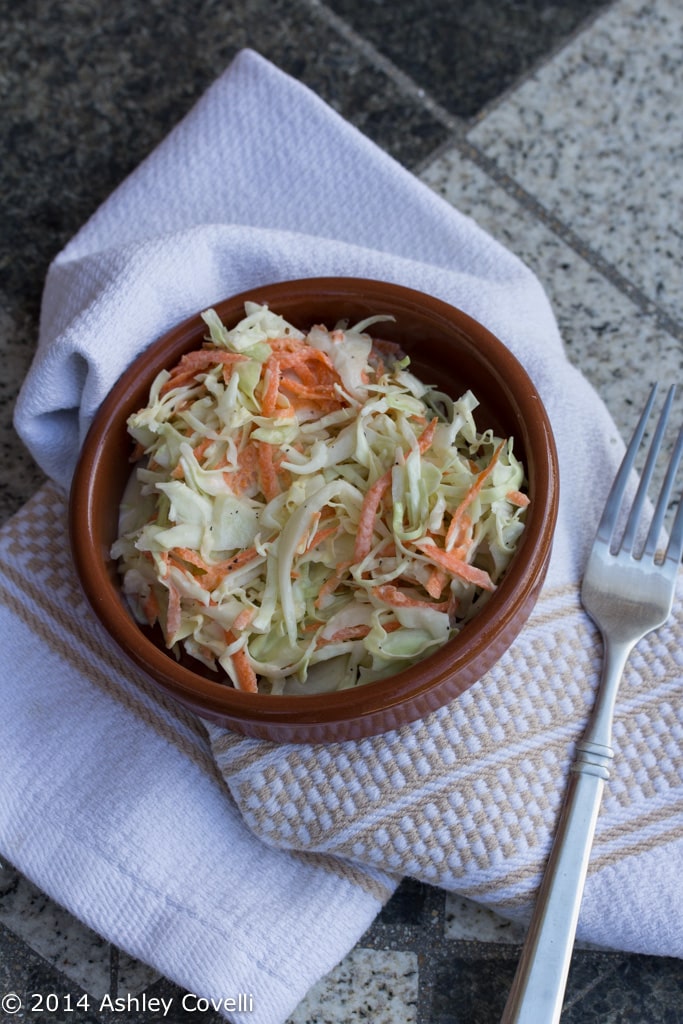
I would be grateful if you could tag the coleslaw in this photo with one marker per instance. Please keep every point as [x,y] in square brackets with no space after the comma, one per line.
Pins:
[305,514]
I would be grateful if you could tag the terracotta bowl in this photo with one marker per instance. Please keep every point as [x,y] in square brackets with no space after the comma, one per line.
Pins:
[447,349]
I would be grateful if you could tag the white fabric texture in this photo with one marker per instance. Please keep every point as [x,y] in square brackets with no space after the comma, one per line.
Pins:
[203,852]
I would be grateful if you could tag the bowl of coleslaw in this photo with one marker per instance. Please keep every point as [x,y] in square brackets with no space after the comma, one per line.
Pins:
[318,510]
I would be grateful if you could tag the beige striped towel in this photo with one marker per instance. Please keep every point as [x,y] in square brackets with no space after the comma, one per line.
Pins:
[238,865]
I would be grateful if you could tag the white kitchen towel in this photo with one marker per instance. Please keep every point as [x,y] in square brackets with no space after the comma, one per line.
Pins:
[237,865]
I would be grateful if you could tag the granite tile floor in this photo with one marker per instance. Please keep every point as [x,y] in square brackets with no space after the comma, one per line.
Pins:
[557,126]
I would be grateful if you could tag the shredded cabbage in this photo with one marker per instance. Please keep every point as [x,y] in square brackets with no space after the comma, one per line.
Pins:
[306,515]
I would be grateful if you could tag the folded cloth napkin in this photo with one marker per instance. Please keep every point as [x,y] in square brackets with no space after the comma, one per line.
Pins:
[235,865]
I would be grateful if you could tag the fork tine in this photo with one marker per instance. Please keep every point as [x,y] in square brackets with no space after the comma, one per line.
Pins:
[631,529]
[675,546]
[610,514]
[674,551]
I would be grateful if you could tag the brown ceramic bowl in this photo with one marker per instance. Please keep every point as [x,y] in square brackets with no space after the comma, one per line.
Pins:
[447,349]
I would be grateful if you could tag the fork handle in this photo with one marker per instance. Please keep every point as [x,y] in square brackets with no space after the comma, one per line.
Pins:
[539,984]
[538,988]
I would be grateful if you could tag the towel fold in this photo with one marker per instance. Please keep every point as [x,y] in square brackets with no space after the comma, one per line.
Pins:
[235,865]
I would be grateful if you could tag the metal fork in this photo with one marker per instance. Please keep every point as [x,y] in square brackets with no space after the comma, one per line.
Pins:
[628,590]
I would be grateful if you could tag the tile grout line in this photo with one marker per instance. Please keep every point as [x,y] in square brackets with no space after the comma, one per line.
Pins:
[584,26]
[459,128]
[113,971]
[401,80]
[576,998]
[575,242]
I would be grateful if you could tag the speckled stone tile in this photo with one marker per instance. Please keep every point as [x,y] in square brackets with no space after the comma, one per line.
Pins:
[465,54]
[465,919]
[19,477]
[88,91]
[616,343]
[66,943]
[612,989]
[54,934]
[132,975]
[596,136]
[471,985]
[369,984]
[26,979]
[473,982]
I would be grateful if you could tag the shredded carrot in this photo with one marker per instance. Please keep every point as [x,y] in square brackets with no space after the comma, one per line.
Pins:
[306,374]
[271,386]
[306,354]
[347,633]
[321,535]
[399,599]
[427,436]
[470,495]
[244,618]
[459,535]
[212,575]
[317,393]
[245,479]
[246,677]
[151,607]
[292,377]
[188,555]
[198,361]
[456,566]
[200,449]
[356,633]
[286,343]
[518,498]
[368,513]
[267,471]
[331,583]
[436,581]
[236,561]
[200,358]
